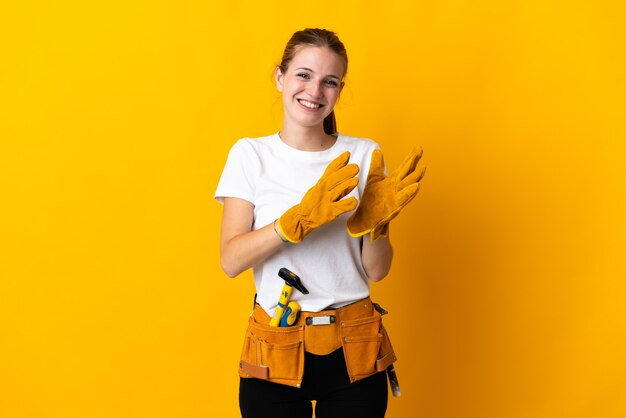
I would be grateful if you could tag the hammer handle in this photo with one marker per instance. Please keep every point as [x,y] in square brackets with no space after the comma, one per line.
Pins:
[282,304]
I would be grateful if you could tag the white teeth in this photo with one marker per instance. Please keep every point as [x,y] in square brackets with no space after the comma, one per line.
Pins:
[309,104]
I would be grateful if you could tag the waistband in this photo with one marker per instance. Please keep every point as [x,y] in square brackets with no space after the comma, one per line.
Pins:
[322,330]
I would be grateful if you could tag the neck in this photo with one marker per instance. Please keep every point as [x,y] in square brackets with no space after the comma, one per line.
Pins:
[306,138]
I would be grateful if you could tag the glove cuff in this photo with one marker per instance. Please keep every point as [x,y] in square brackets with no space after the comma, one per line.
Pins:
[379,231]
[289,225]
[354,233]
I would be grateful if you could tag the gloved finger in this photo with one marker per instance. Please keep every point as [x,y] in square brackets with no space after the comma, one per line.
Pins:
[414,177]
[341,176]
[342,189]
[337,163]
[409,163]
[405,195]
[377,167]
[344,205]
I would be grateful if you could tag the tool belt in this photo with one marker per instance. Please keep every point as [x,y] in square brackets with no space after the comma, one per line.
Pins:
[277,353]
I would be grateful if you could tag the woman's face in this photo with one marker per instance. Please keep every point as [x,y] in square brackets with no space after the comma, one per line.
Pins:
[311,85]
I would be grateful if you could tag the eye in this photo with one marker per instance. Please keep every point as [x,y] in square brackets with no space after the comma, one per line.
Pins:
[304,76]
[332,83]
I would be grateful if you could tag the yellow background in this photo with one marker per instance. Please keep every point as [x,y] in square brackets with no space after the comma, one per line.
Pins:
[507,292]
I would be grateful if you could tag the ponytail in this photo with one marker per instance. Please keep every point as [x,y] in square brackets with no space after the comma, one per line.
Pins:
[330,124]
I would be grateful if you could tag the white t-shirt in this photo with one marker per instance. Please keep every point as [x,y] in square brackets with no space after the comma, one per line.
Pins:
[274,177]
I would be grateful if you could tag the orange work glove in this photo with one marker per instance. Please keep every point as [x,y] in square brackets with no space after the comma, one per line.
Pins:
[323,202]
[384,196]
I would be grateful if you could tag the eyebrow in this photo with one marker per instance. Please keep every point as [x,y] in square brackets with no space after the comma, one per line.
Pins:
[308,69]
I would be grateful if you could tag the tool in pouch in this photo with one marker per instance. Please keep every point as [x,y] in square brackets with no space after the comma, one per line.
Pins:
[287,312]
[287,315]
[391,371]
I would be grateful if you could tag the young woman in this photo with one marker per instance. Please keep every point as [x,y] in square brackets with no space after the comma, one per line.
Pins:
[318,203]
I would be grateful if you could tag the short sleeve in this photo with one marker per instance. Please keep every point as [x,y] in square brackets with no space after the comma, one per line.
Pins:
[238,174]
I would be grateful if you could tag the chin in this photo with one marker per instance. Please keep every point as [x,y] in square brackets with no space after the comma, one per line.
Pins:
[309,123]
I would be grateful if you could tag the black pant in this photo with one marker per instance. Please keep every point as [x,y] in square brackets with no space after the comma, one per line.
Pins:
[326,381]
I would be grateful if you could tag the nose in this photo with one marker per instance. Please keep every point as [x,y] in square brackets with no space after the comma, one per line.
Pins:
[315,89]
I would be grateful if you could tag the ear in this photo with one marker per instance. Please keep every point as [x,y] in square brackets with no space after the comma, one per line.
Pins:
[278,77]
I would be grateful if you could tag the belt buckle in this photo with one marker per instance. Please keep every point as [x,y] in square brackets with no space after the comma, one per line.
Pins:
[320,320]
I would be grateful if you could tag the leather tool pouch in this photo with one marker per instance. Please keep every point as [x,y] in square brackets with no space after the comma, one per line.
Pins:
[273,353]
[277,353]
[366,346]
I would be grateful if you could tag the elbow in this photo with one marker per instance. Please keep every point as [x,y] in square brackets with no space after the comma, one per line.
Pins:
[231,262]
[230,273]
[378,272]
[229,268]
[377,276]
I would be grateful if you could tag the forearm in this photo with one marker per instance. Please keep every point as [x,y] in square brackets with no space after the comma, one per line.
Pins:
[241,247]
[249,249]
[376,257]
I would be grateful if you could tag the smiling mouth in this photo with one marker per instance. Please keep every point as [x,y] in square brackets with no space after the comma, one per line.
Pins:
[310,105]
